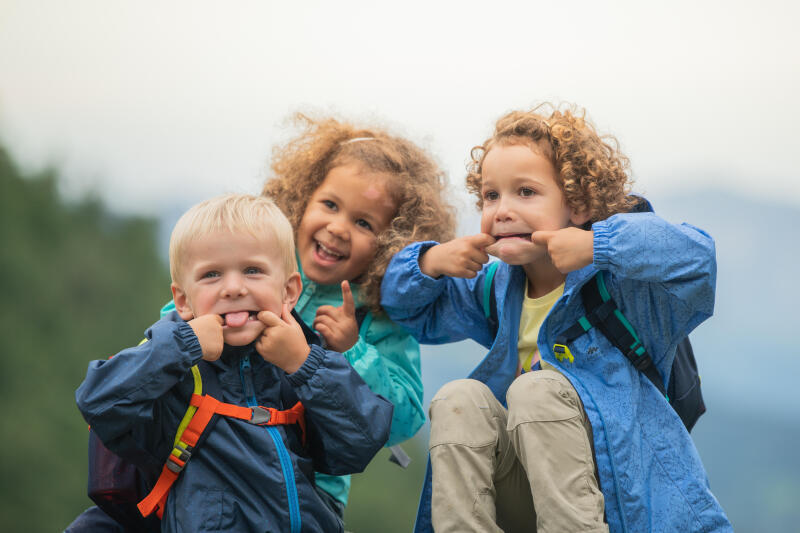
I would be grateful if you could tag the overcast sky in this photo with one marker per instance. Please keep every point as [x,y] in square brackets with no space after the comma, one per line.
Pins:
[160,104]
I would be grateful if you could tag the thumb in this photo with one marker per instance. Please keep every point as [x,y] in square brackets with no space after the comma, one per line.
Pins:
[269,318]
[542,237]
[348,305]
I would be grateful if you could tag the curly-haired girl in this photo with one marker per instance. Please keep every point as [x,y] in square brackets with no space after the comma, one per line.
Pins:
[569,438]
[355,196]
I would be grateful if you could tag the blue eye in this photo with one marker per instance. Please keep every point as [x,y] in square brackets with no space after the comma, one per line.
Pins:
[252,270]
[526,191]
[210,274]
[329,204]
[364,224]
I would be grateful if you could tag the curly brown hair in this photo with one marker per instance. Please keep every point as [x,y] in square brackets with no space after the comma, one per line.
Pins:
[592,172]
[417,186]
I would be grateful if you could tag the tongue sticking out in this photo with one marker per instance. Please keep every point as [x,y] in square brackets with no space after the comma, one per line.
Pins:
[236,320]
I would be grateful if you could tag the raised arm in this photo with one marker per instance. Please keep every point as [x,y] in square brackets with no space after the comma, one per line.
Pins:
[662,275]
[122,392]
[348,423]
[434,311]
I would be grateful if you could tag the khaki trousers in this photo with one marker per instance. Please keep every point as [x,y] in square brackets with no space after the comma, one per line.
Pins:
[530,468]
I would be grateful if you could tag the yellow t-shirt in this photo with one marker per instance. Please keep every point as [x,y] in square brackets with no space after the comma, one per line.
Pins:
[534,311]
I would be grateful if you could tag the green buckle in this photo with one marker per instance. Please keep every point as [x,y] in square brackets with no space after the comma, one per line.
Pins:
[562,352]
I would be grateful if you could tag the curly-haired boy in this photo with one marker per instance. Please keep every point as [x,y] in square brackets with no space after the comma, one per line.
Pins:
[534,440]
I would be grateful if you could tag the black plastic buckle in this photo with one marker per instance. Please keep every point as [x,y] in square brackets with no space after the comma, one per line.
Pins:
[185,455]
[261,415]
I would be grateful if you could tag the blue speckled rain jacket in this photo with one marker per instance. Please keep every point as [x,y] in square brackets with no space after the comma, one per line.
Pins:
[662,277]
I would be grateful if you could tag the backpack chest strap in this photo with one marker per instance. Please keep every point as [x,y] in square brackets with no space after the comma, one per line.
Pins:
[208,406]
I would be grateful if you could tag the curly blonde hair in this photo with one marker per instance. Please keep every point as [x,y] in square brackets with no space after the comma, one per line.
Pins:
[417,186]
[592,172]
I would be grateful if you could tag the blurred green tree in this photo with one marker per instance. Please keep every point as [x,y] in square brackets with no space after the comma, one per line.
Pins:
[77,283]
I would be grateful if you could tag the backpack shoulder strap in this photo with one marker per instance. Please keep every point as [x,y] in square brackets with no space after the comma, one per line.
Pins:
[602,312]
[202,413]
[489,298]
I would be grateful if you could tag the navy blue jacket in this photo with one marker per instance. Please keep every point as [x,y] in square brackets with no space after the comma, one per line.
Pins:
[244,477]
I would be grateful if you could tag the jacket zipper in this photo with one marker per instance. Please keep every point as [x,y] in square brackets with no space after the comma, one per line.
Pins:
[285,460]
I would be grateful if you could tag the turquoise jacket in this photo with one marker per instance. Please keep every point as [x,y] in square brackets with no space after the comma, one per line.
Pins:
[386,358]
[663,278]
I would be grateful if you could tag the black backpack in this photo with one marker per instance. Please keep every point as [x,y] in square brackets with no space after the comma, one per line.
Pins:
[683,390]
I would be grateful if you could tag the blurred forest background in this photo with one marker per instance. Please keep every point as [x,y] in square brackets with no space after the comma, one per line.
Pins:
[79,282]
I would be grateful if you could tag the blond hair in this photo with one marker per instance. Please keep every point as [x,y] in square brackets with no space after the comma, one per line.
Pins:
[591,171]
[415,183]
[234,213]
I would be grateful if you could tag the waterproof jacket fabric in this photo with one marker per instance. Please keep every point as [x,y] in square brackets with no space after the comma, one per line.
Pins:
[662,277]
[240,478]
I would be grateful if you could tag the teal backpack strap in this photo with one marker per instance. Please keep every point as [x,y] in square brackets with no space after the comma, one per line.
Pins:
[487,289]
[602,312]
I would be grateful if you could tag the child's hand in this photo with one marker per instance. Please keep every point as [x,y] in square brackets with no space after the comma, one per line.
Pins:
[208,329]
[338,325]
[460,258]
[282,343]
[569,248]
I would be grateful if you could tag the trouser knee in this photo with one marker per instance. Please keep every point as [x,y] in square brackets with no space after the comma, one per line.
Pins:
[464,412]
[542,396]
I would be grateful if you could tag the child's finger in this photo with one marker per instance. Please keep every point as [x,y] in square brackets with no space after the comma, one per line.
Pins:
[480,240]
[323,330]
[269,318]
[542,237]
[348,304]
[323,321]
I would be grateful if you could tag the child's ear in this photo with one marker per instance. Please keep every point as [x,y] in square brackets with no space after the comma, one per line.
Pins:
[181,302]
[292,289]
[579,216]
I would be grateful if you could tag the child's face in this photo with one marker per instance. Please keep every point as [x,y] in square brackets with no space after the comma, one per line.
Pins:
[234,275]
[521,195]
[336,239]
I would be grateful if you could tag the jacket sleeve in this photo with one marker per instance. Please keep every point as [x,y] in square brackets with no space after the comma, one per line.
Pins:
[347,422]
[434,311]
[387,359]
[124,391]
[663,275]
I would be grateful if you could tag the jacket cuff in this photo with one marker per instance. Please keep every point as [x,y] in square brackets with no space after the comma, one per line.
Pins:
[188,342]
[357,351]
[308,368]
[414,252]
[602,236]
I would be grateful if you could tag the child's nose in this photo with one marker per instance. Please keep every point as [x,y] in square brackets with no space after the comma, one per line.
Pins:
[503,212]
[233,286]
[338,229]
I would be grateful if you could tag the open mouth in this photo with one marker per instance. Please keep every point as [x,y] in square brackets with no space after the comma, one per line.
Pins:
[237,319]
[523,236]
[328,254]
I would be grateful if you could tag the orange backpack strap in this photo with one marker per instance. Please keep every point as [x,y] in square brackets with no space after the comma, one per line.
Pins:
[207,406]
